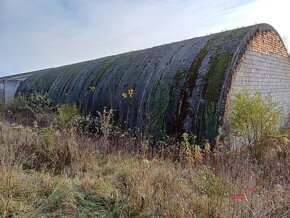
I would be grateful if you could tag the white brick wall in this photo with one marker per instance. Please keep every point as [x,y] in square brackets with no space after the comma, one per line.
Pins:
[265,67]
[268,73]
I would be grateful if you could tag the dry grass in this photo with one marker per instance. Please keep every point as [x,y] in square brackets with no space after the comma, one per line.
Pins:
[47,172]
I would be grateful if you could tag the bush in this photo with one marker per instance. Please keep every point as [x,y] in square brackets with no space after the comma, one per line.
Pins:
[67,114]
[40,103]
[88,125]
[27,109]
[49,135]
[254,116]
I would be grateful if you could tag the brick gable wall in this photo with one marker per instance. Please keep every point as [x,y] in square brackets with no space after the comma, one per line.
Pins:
[268,43]
[265,66]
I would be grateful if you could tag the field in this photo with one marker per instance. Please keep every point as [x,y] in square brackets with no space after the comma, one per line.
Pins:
[52,167]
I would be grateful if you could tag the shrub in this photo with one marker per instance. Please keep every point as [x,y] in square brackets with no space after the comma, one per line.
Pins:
[40,103]
[253,116]
[17,109]
[67,114]
[49,135]
[88,125]
[27,109]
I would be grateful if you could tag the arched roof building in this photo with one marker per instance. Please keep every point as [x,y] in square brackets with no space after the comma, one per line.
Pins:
[177,87]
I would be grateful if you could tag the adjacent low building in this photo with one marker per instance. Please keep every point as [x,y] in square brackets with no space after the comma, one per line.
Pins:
[9,85]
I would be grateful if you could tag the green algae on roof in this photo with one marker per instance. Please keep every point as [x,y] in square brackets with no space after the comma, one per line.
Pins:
[215,76]
[158,103]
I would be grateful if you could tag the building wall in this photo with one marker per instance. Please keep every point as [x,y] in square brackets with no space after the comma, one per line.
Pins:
[8,89]
[2,97]
[265,66]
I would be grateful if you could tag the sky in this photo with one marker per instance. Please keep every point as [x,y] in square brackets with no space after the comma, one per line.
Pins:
[38,34]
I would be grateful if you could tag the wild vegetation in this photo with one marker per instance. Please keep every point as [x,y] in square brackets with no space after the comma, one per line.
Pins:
[56,163]
[254,116]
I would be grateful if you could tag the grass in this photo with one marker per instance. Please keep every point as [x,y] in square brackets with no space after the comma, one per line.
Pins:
[75,178]
[59,171]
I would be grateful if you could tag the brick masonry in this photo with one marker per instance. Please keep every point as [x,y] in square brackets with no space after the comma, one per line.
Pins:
[268,43]
[265,66]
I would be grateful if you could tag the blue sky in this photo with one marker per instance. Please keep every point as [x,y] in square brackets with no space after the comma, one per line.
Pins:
[37,34]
